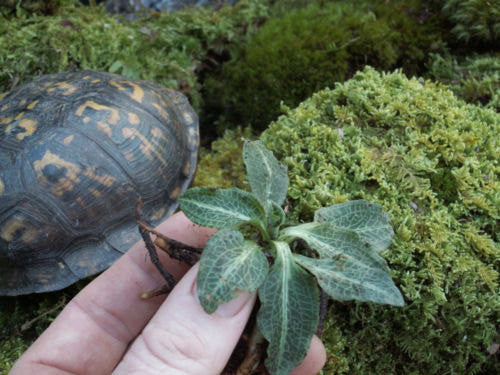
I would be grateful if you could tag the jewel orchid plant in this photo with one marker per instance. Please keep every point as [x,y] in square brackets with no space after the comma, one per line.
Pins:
[255,249]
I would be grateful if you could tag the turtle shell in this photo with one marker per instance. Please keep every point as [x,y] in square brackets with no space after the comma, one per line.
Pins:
[77,150]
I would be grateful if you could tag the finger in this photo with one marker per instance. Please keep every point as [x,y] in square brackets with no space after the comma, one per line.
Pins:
[93,331]
[182,338]
[315,359]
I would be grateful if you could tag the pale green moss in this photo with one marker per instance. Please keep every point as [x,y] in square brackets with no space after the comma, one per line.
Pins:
[222,166]
[431,161]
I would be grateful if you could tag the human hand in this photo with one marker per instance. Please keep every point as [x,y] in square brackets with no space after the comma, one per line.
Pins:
[107,328]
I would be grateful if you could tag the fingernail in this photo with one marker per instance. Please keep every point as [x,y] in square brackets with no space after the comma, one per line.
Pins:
[233,307]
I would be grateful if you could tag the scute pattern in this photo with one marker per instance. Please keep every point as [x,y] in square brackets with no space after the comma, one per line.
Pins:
[77,150]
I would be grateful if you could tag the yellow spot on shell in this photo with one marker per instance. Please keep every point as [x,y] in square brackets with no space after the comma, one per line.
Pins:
[22,103]
[20,114]
[5,107]
[29,127]
[133,118]
[113,117]
[117,85]
[137,93]
[174,194]
[187,168]
[69,88]
[95,81]
[128,133]
[95,193]
[71,175]
[159,214]
[188,117]
[3,95]
[161,111]
[64,183]
[2,187]
[80,202]
[33,104]
[9,231]
[68,140]
[86,77]
[86,120]
[158,133]
[105,128]
[5,120]
[129,156]
[147,147]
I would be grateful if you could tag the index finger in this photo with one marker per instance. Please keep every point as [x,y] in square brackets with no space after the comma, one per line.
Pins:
[94,329]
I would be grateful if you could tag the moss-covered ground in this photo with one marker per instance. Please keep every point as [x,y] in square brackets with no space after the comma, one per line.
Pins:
[426,149]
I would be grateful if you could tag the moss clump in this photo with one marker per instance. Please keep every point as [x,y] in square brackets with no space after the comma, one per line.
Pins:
[475,79]
[431,161]
[474,20]
[310,48]
[222,165]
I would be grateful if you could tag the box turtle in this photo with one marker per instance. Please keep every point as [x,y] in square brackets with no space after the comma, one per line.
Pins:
[77,151]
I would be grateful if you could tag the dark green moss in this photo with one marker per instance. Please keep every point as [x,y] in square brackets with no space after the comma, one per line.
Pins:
[474,20]
[314,47]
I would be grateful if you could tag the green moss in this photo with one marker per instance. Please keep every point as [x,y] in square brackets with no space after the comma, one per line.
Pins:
[24,318]
[474,20]
[162,47]
[310,48]
[476,79]
[222,166]
[431,161]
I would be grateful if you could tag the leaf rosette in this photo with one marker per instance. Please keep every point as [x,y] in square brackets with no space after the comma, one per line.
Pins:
[347,238]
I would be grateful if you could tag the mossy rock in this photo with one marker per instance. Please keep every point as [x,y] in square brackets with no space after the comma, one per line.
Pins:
[431,161]
[310,48]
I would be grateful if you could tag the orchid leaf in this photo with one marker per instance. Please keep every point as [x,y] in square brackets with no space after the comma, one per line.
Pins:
[289,312]
[229,263]
[267,177]
[222,208]
[365,218]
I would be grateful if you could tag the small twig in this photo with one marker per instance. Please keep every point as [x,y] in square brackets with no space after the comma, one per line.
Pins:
[27,325]
[323,307]
[152,251]
[175,249]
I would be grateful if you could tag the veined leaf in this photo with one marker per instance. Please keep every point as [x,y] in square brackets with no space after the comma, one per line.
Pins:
[289,312]
[275,219]
[267,177]
[228,263]
[222,208]
[344,278]
[365,218]
[331,241]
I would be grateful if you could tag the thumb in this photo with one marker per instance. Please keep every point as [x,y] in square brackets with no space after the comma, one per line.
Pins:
[182,338]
